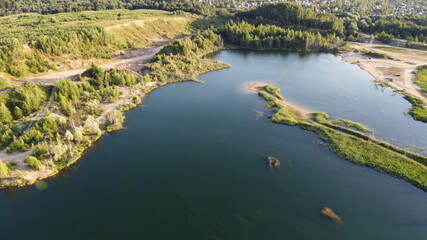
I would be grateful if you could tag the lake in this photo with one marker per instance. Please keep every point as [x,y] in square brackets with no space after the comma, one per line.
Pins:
[191,164]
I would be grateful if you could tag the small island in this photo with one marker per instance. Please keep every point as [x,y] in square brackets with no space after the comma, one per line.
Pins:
[273,162]
[329,213]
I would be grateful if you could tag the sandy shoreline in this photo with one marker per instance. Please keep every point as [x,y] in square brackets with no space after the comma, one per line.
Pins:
[298,110]
[400,69]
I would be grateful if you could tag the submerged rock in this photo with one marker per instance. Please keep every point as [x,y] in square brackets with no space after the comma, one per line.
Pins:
[331,214]
[273,162]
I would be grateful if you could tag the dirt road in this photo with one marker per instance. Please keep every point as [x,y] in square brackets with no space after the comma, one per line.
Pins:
[131,59]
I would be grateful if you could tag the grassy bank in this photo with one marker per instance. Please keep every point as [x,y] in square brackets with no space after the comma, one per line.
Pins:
[421,79]
[418,110]
[374,54]
[353,145]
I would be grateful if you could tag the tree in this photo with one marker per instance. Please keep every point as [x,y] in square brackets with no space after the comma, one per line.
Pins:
[78,134]
[17,113]
[92,107]
[68,136]
[5,115]
[385,37]
[33,162]
[58,150]
[115,120]
[91,125]
[4,170]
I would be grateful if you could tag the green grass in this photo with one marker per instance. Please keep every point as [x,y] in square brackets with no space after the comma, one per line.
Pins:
[282,114]
[355,146]
[375,54]
[206,23]
[419,113]
[422,77]
[369,154]
[392,49]
[418,110]
[351,124]
[27,27]
[274,90]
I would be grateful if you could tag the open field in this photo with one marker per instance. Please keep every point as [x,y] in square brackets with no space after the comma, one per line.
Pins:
[27,26]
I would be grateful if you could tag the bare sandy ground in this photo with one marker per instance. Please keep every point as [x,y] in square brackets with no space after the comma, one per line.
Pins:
[404,62]
[130,59]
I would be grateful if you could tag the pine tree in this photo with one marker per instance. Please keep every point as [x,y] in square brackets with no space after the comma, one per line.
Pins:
[5,115]
[18,113]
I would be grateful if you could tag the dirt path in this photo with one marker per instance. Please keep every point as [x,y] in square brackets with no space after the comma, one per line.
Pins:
[14,157]
[397,73]
[131,59]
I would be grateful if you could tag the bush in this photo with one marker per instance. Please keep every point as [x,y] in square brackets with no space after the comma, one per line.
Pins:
[115,120]
[385,37]
[273,90]
[5,115]
[375,54]
[33,162]
[4,170]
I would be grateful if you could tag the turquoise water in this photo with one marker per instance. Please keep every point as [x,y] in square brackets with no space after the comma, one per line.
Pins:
[191,164]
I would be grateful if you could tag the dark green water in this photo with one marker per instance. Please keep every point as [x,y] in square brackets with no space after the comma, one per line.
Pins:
[191,165]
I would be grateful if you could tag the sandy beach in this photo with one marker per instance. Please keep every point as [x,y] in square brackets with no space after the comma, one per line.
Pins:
[398,72]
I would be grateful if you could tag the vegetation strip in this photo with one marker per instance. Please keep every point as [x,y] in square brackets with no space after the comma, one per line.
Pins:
[353,145]
[422,78]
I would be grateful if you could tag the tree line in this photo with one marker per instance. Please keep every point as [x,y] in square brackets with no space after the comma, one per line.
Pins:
[8,7]
[398,28]
[261,36]
[293,14]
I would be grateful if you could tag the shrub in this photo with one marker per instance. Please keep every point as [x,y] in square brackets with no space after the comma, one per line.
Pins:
[33,162]
[115,120]
[91,126]
[385,37]
[17,113]
[5,115]
[4,170]
[273,90]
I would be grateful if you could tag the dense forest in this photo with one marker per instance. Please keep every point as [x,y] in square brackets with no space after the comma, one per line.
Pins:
[261,36]
[411,9]
[293,14]
[8,7]
[402,19]
[398,28]
[351,24]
